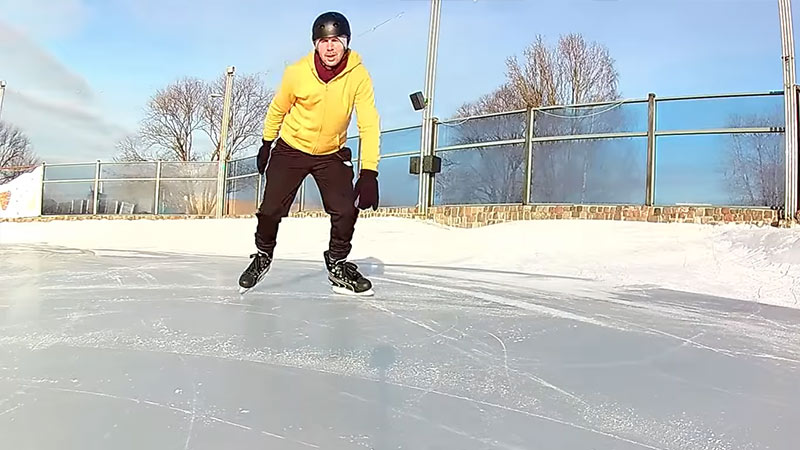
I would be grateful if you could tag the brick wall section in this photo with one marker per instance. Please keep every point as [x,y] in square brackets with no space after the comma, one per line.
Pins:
[477,216]
[406,213]
[108,217]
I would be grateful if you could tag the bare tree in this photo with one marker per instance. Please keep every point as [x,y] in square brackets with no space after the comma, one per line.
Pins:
[187,106]
[574,71]
[175,116]
[754,162]
[132,149]
[16,154]
[172,117]
[505,98]
[250,99]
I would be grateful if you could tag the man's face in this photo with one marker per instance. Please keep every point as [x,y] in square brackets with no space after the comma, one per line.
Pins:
[331,50]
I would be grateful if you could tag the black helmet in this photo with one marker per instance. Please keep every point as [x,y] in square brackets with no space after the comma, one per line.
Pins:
[330,24]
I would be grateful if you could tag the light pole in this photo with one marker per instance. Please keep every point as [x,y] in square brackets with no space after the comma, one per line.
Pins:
[427,139]
[2,95]
[223,141]
[790,112]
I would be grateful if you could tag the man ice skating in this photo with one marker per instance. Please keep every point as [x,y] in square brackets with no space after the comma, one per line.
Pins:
[305,131]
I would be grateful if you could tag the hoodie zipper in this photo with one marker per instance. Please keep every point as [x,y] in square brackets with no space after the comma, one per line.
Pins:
[325,102]
[324,114]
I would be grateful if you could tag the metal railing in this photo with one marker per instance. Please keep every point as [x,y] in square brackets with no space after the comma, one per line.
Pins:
[720,149]
[158,187]
[599,153]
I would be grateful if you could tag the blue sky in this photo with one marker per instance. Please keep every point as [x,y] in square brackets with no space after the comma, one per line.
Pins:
[80,71]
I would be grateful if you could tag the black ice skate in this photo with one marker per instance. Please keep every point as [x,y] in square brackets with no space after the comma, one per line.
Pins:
[254,273]
[346,279]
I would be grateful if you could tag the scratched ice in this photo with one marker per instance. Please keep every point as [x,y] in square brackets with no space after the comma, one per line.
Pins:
[132,350]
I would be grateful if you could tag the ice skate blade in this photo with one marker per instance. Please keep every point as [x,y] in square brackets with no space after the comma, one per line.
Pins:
[243,290]
[345,291]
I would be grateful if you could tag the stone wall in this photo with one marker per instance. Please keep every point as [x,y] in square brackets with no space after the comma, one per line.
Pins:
[477,216]
[51,218]
[406,213]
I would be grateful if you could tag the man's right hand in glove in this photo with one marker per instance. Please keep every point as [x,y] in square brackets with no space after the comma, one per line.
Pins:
[263,156]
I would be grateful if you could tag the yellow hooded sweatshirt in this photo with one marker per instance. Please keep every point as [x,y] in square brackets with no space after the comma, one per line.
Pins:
[313,116]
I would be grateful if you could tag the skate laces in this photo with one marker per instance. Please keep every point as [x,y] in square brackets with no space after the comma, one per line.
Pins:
[350,270]
[260,262]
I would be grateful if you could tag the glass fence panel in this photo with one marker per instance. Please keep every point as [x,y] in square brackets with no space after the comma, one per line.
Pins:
[401,141]
[189,170]
[397,187]
[242,196]
[596,171]
[482,129]
[70,172]
[727,169]
[481,176]
[126,197]
[246,166]
[187,197]
[127,170]
[68,198]
[614,118]
[723,112]
[352,144]
[312,200]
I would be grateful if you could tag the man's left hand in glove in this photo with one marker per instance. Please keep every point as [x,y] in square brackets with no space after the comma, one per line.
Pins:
[366,189]
[263,156]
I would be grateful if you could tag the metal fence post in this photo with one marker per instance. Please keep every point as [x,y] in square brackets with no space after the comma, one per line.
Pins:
[650,187]
[223,141]
[527,188]
[221,175]
[790,110]
[157,208]
[41,189]
[421,176]
[427,146]
[96,187]
[302,192]
[431,189]
[2,93]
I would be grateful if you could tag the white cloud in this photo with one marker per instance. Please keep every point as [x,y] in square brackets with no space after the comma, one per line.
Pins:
[28,66]
[62,131]
[46,18]
[53,105]
[71,113]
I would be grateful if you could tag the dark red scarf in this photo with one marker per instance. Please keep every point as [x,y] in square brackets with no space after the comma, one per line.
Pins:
[326,73]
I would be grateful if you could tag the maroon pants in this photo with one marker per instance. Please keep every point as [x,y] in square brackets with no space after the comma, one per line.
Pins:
[286,170]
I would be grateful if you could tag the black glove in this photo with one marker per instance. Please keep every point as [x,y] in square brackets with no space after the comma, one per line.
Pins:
[367,189]
[263,156]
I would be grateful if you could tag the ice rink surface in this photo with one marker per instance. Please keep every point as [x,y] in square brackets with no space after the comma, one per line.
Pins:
[138,350]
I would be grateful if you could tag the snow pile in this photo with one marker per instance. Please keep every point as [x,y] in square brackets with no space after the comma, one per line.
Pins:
[734,261]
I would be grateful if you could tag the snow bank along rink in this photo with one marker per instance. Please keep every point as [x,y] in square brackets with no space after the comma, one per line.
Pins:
[525,335]
[758,264]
